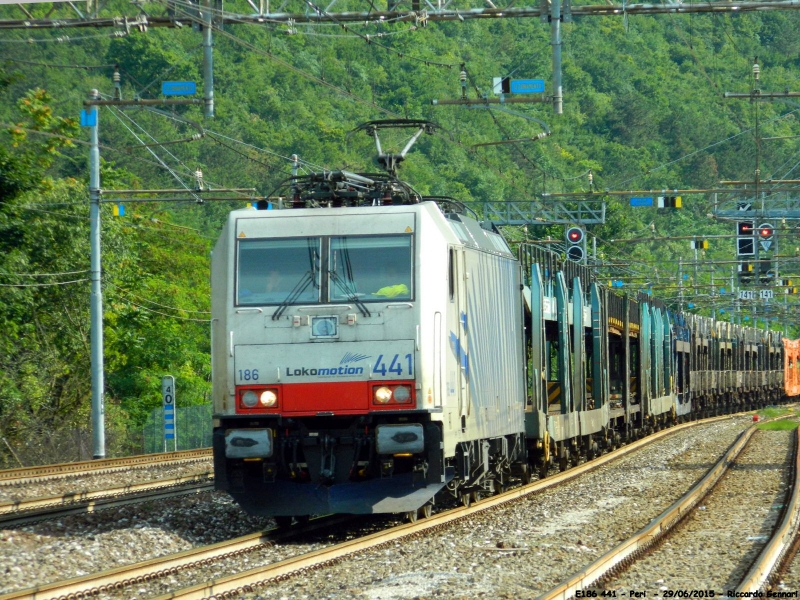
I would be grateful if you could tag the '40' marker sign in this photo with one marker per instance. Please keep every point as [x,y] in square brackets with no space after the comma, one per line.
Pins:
[168,394]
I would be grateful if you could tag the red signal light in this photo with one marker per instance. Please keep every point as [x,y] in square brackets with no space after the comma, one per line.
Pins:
[766,231]
[745,227]
[575,235]
[576,242]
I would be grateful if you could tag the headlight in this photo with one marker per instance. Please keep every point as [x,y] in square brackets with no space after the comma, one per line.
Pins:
[402,394]
[249,399]
[383,395]
[269,398]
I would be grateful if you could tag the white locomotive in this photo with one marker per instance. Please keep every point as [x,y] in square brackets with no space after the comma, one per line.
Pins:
[364,356]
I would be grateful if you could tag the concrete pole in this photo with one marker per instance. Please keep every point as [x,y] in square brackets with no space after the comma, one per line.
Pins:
[98,384]
[208,61]
[555,34]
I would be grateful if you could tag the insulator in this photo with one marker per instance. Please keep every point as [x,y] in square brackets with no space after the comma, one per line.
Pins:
[117,78]
[591,177]
[756,71]
[462,77]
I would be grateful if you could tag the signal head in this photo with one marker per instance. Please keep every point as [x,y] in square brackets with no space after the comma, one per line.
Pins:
[576,244]
[765,231]
[744,227]
[575,235]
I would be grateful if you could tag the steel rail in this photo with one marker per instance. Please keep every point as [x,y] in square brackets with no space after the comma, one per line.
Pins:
[36,509]
[232,586]
[118,578]
[634,546]
[773,554]
[95,467]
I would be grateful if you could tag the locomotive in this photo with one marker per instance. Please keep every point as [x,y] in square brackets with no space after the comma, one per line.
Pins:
[373,347]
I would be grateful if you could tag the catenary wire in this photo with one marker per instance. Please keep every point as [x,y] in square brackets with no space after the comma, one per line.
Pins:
[139,306]
[28,285]
[188,170]
[158,158]
[44,274]
[63,39]
[129,294]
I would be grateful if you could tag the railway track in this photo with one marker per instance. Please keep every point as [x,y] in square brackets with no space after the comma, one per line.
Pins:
[113,581]
[98,467]
[20,512]
[607,575]
[778,566]
[234,585]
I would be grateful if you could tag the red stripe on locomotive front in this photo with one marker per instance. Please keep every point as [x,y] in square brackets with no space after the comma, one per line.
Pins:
[339,398]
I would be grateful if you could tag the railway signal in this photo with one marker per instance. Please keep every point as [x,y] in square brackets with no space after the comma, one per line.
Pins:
[745,244]
[765,233]
[745,272]
[576,244]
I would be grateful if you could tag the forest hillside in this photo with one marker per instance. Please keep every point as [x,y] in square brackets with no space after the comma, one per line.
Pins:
[643,110]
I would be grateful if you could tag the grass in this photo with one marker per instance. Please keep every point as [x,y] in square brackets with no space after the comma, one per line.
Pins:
[782,425]
[772,411]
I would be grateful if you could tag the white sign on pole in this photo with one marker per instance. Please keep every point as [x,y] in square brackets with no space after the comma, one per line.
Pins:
[753,294]
[168,393]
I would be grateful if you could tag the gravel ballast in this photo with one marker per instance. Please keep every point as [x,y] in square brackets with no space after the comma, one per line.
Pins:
[50,487]
[525,548]
[717,543]
[519,550]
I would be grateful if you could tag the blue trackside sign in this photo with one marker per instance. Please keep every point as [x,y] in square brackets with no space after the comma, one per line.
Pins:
[168,395]
[642,201]
[527,86]
[178,88]
[89,118]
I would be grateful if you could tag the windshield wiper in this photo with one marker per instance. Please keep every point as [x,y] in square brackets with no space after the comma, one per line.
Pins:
[301,286]
[351,294]
[296,292]
[347,285]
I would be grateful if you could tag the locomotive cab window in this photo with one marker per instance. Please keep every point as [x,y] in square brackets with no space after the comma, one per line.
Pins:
[278,270]
[370,268]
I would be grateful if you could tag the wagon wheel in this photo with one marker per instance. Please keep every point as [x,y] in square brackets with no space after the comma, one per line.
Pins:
[563,459]
[426,510]
[525,475]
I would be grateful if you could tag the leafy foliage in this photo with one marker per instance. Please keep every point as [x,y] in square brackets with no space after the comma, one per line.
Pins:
[643,110]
